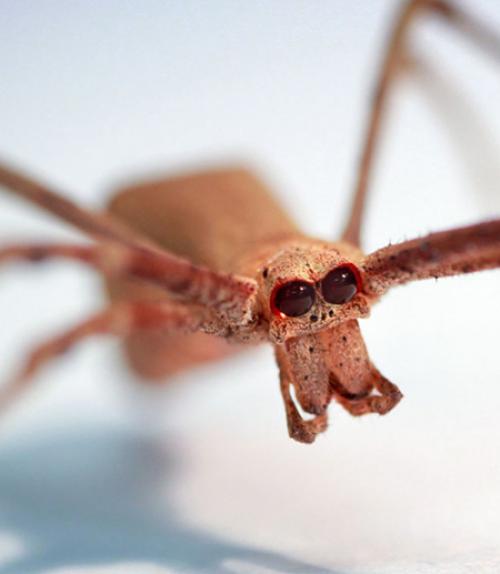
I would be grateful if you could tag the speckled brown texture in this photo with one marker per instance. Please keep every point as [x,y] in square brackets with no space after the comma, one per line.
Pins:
[462,250]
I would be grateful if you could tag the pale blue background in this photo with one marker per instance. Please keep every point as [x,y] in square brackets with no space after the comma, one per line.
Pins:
[99,476]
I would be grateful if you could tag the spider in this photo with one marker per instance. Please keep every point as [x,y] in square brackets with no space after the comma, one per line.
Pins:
[198,261]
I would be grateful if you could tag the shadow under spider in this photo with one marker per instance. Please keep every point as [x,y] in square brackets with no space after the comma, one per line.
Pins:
[92,500]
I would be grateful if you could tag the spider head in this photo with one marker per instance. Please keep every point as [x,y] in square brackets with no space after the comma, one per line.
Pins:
[307,288]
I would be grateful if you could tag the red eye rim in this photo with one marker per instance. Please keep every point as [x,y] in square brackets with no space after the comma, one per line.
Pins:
[275,290]
[357,275]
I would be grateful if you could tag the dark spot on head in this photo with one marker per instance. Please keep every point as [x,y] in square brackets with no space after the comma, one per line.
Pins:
[313,318]
[341,364]
[265,272]
[311,349]
[344,338]
[306,377]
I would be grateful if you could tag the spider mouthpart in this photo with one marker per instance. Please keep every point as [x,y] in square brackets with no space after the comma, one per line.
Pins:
[294,298]
[340,285]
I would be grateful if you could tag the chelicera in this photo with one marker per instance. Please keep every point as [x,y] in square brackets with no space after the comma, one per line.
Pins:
[177,299]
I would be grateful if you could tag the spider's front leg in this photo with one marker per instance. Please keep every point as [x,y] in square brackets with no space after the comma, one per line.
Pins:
[233,298]
[440,254]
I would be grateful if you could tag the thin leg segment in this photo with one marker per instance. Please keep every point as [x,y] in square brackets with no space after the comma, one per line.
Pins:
[38,252]
[462,250]
[233,296]
[230,295]
[96,224]
[121,319]
[395,57]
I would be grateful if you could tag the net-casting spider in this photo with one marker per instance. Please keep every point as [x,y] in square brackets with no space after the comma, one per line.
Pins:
[196,261]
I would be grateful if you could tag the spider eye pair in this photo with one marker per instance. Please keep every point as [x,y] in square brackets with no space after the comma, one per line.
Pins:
[296,298]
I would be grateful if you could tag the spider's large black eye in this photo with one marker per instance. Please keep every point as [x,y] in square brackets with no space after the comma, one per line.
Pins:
[339,286]
[294,298]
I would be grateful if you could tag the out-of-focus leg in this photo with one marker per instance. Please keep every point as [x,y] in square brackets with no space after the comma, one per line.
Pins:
[120,319]
[396,56]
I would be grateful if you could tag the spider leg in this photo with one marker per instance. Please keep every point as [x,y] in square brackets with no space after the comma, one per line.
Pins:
[388,397]
[95,224]
[453,252]
[396,56]
[232,296]
[95,256]
[120,319]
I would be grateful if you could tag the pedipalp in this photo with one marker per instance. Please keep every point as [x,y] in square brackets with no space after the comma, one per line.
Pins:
[387,398]
[298,428]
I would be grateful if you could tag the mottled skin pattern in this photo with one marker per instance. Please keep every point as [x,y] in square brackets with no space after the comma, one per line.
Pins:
[192,266]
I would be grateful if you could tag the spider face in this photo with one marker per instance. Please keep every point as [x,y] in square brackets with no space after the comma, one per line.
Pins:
[310,288]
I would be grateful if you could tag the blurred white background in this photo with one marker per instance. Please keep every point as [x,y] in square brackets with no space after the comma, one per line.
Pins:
[99,474]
